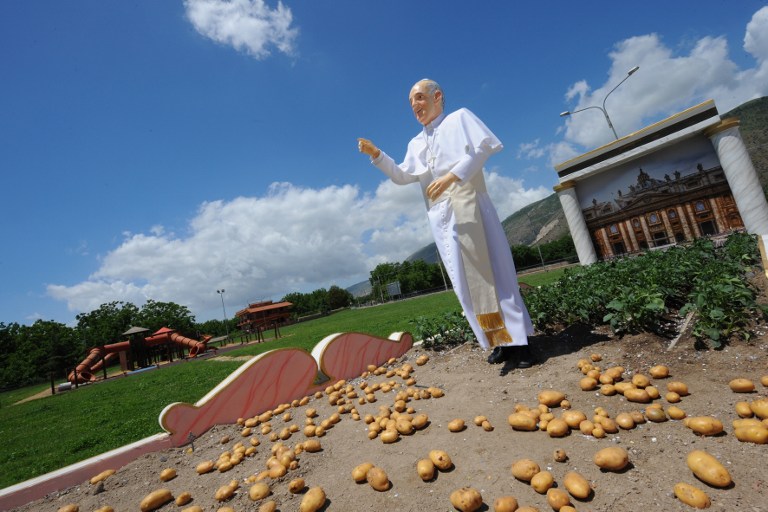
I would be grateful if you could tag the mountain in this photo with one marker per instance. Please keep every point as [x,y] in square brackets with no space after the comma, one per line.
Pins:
[544,220]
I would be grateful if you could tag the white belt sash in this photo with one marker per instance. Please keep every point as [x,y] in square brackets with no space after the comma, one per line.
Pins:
[476,259]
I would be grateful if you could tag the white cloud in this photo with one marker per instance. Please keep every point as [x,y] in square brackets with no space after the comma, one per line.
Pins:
[247,25]
[665,84]
[289,239]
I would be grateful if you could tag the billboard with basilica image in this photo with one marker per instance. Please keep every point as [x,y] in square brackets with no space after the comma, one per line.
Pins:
[672,195]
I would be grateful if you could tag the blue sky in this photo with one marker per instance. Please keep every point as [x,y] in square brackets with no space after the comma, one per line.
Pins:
[166,149]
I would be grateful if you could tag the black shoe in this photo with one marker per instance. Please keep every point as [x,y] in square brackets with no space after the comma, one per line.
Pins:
[525,359]
[497,355]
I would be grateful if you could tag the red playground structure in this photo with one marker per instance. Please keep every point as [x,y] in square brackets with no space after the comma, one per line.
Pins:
[136,351]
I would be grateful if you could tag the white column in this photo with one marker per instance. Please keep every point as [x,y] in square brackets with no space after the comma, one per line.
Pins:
[566,192]
[741,175]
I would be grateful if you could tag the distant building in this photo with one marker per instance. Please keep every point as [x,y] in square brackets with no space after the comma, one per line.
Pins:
[261,316]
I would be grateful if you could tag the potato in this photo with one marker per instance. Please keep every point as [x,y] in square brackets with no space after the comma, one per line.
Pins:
[560,455]
[102,476]
[659,372]
[744,410]
[678,387]
[505,504]
[754,434]
[551,397]
[641,380]
[609,425]
[528,509]
[441,460]
[653,392]
[390,436]
[193,508]
[586,427]
[747,422]
[425,469]
[267,506]
[313,500]
[155,500]
[466,499]
[625,421]
[420,421]
[603,378]
[741,385]
[708,469]
[557,427]
[296,485]
[456,425]
[622,387]
[637,395]
[259,491]
[691,495]
[107,508]
[557,498]
[377,478]
[225,492]
[542,482]
[422,360]
[573,418]
[613,458]
[672,397]
[587,384]
[760,408]
[360,472]
[607,390]
[167,474]
[655,414]
[524,469]
[183,498]
[312,446]
[522,421]
[676,413]
[577,485]
[69,508]
[704,425]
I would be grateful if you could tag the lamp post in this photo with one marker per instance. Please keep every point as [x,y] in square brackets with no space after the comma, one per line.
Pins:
[602,109]
[221,294]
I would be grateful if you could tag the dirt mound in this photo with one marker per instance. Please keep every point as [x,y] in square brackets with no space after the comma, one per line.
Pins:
[481,459]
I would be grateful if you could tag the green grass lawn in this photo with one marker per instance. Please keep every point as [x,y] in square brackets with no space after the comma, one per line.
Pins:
[46,434]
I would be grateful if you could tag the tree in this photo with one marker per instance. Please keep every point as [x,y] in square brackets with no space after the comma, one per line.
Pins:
[106,324]
[154,315]
[339,297]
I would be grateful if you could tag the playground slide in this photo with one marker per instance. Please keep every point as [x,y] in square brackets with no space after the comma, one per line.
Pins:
[93,362]
[165,334]
[99,355]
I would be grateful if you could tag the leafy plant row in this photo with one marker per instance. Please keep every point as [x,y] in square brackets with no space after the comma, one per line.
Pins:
[655,291]
[652,292]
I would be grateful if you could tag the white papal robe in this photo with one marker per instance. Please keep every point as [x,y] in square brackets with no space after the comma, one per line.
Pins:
[460,143]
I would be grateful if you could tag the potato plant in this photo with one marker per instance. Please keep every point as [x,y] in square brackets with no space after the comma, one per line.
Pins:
[655,291]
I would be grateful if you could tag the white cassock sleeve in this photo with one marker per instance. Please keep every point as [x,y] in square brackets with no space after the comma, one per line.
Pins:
[465,132]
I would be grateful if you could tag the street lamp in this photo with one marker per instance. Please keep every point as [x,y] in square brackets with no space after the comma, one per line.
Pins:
[602,109]
[221,294]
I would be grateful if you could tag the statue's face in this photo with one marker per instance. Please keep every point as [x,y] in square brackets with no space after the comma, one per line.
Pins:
[426,107]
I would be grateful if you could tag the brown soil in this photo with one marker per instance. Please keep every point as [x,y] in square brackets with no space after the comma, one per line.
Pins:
[482,459]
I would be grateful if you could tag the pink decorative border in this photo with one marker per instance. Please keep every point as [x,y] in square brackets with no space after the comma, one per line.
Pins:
[262,383]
